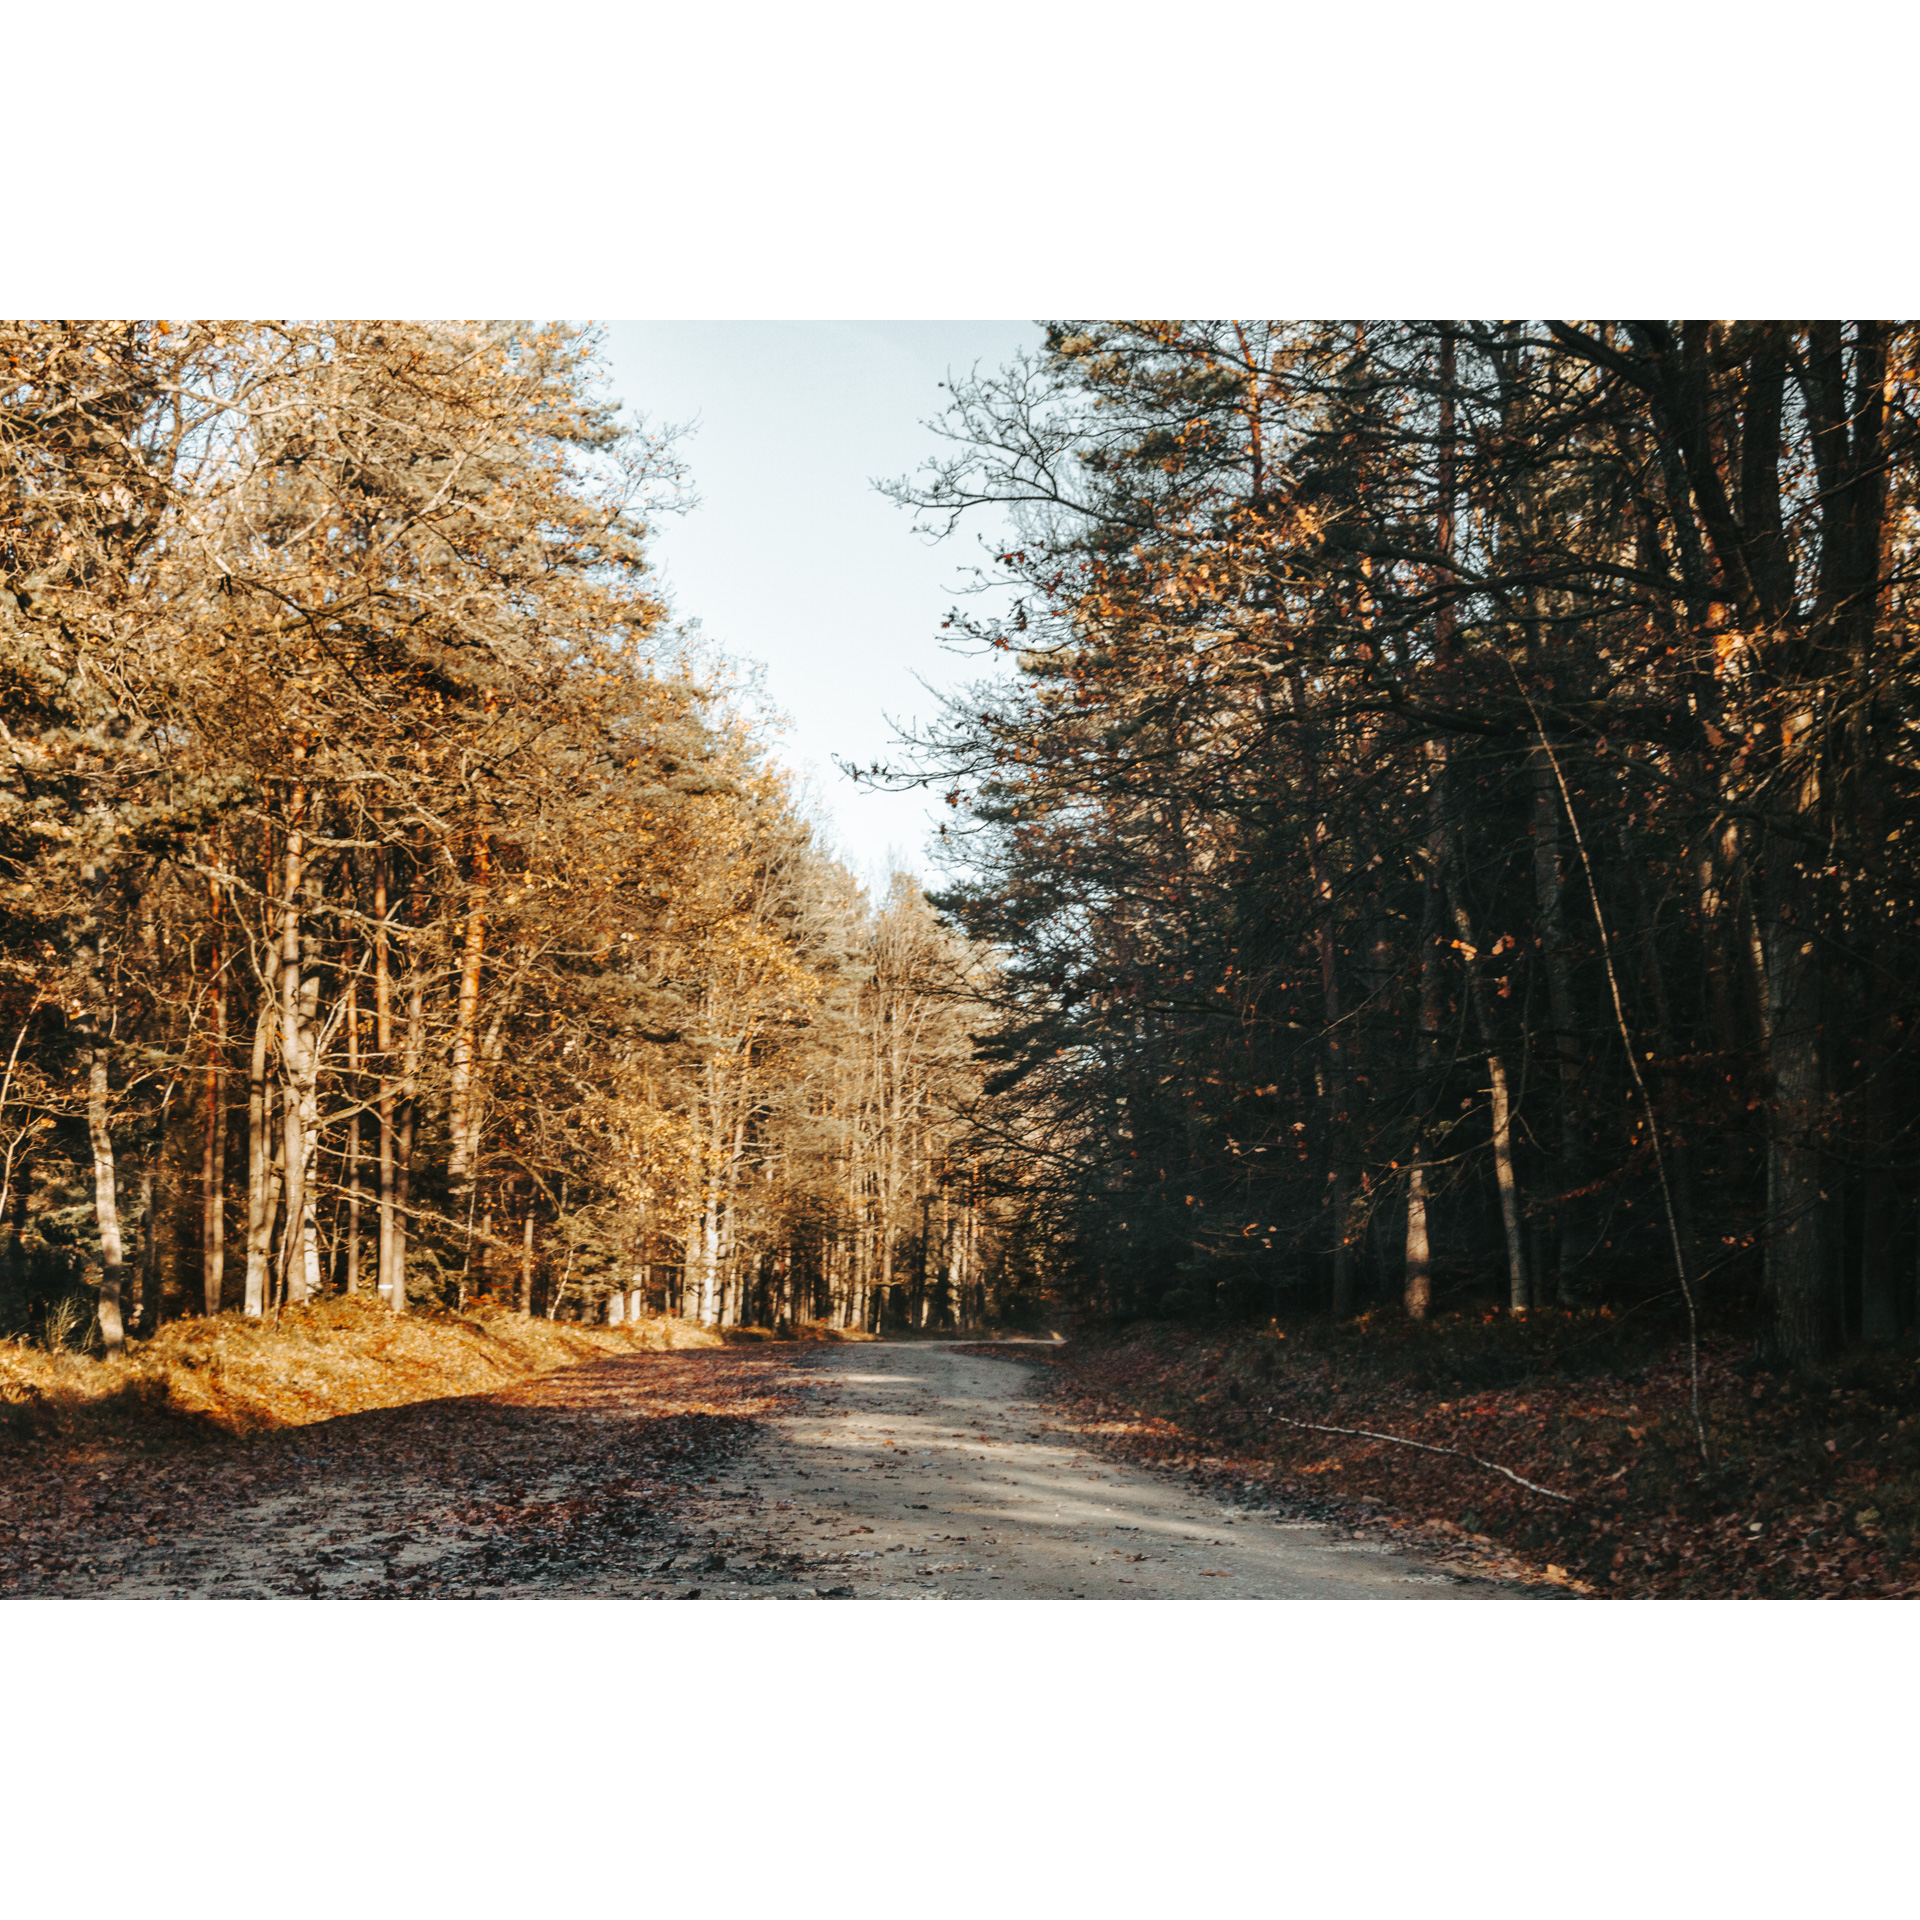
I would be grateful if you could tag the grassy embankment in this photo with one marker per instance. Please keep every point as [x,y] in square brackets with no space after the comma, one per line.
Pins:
[227,1374]
[1814,1488]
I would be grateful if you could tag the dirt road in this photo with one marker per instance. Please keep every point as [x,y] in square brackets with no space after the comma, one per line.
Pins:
[923,1471]
[883,1471]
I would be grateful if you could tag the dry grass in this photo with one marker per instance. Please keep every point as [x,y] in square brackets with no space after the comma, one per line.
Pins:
[832,1336]
[339,1356]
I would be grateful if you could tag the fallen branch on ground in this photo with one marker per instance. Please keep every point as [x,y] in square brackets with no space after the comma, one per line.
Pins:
[1393,1439]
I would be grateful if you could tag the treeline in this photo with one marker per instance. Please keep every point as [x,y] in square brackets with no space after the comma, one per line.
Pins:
[390,901]
[1452,826]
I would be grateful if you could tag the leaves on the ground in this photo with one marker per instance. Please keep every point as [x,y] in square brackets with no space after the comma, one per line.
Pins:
[583,1479]
[1815,1492]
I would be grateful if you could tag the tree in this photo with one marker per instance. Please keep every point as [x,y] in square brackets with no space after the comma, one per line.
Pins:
[1334,643]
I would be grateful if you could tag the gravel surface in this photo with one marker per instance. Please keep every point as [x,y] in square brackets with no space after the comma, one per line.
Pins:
[916,1470]
[874,1471]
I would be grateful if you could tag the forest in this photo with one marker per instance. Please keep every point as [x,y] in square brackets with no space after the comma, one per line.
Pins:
[394,901]
[1428,856]
[1450,830]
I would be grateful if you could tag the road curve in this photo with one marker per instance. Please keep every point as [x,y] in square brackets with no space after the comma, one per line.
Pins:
[888,1470]
[918,1470]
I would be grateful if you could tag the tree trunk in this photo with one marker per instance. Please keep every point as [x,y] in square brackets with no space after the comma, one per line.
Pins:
[105,1206]
[213,1152]
[260,1199]
[416,1046]
[1502,1116]
[1419,1254]
[312,1273]
[300,1258]
[1517,1300]
[1419,1282]
[709,1258]
[733,1304]
[350,1276]
[1716,867]
[152,1178]
[387,1250]
[1679,1150]
[1550,917]
[299,1068]
[412,1063]
[1801,1275]
[1340,1132]
[463,1089]
[149,1319]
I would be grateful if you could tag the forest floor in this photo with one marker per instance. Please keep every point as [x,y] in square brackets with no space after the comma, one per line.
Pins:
[342,1449]
[1813,1492]
[584,1479]
[629,1470]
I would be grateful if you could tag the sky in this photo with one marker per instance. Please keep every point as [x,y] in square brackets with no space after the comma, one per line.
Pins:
[791,558]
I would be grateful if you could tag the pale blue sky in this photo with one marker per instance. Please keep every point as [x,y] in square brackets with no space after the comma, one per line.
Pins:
[792,558]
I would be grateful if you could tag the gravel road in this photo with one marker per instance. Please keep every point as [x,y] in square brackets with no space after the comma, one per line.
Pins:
[917,1470]
[874,1471]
